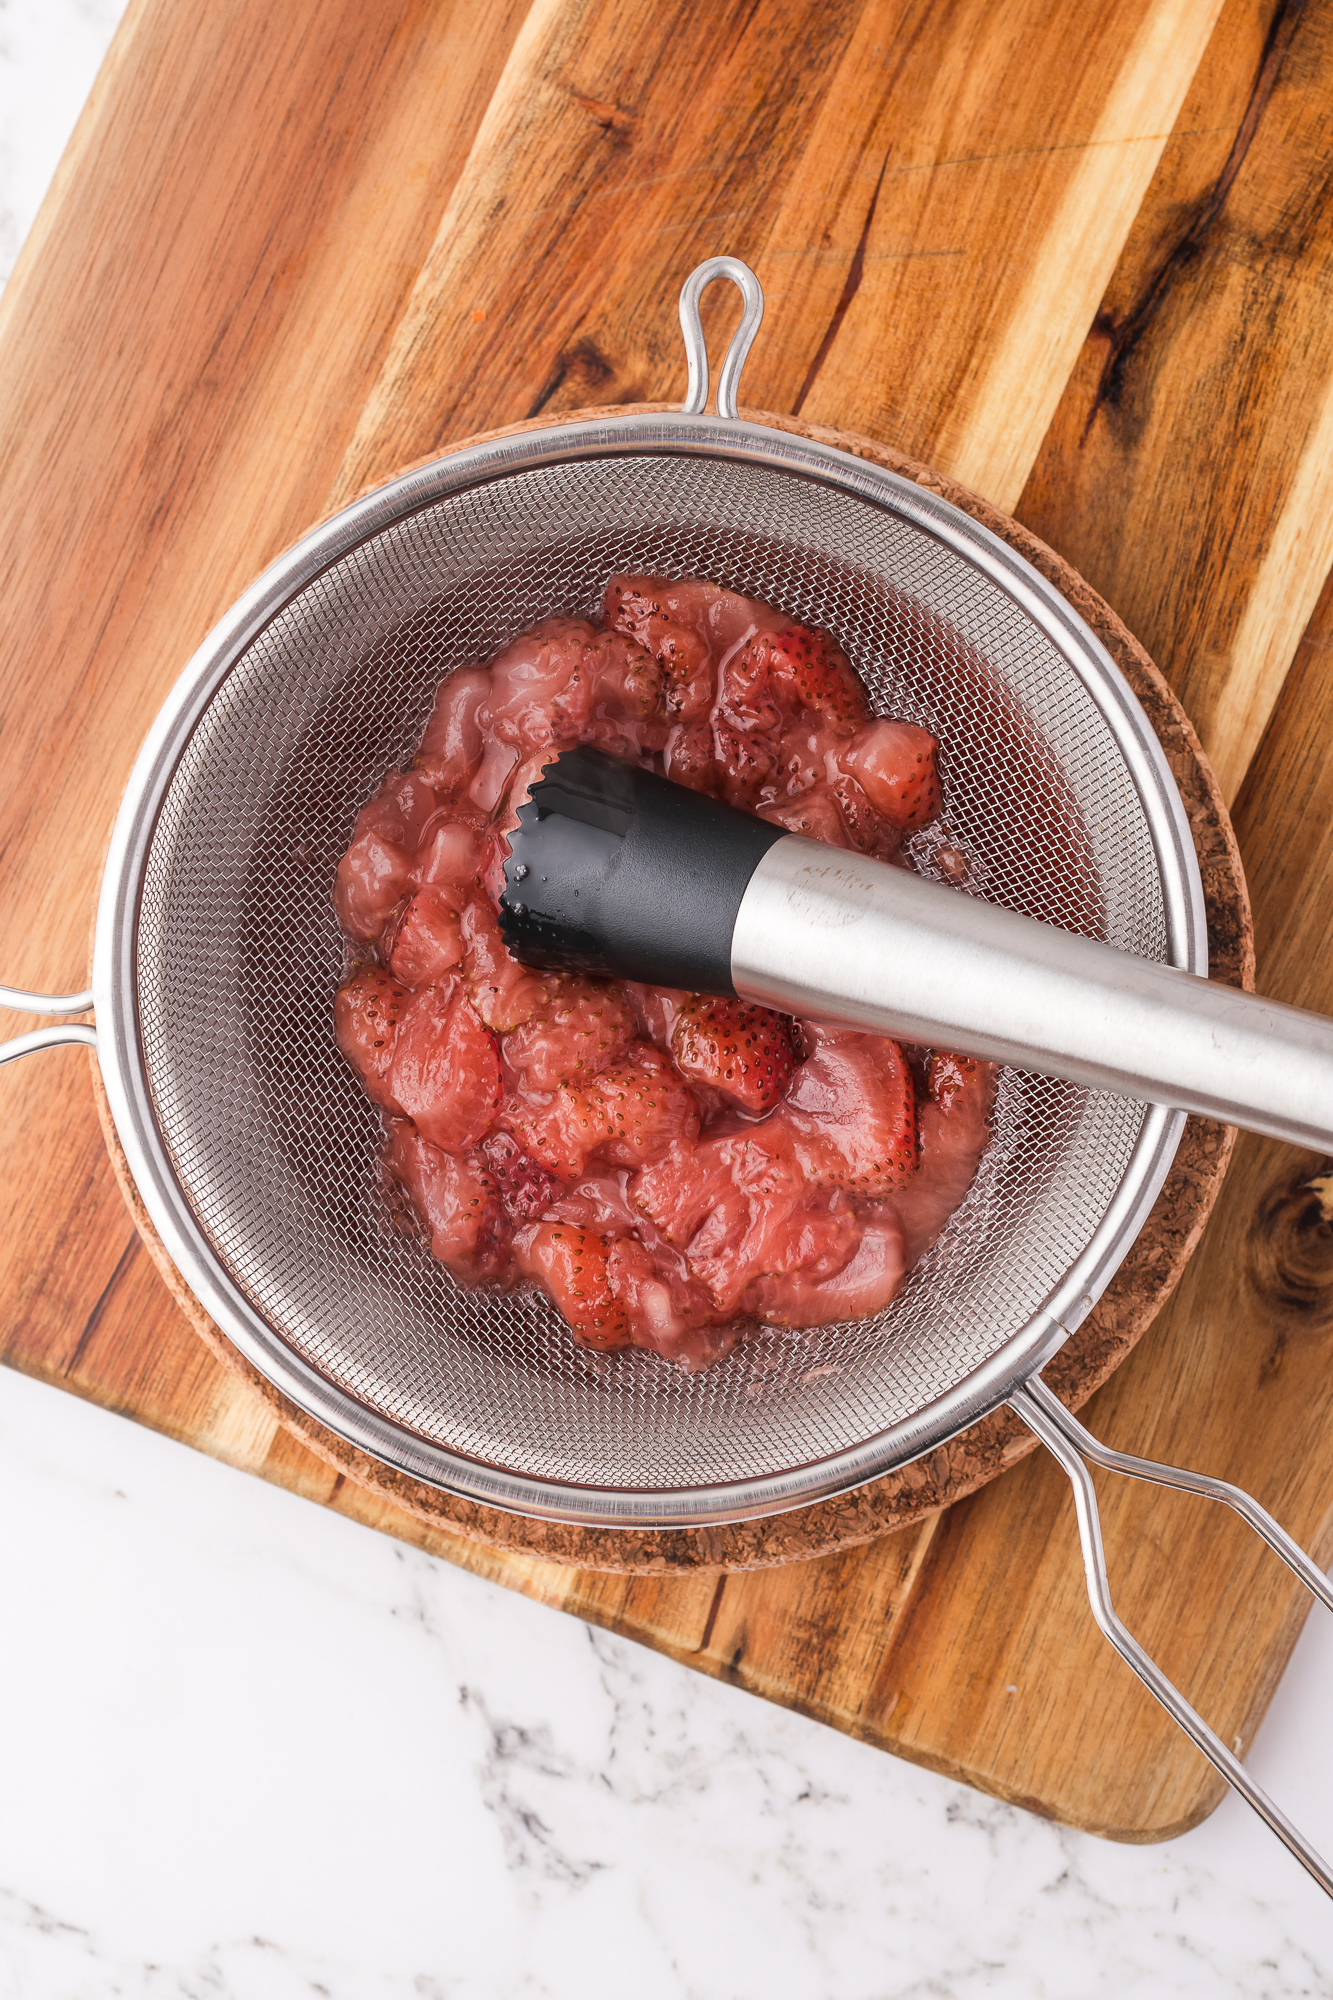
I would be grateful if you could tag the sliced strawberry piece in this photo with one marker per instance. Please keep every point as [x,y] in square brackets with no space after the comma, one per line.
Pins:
[771,1224]
[673,1317]
[655,1010]
[570,1265]
[868,832]
[530,678]
[678,1190]
[644,1107]
[526,1189]
[499,761]
[895,765]
[688,758]
[745,1052]
[617,700]
[668,620]
[427,940]
[955,1130]
[949,1077]
[456,1198]
[503,992]
[742,1209]
[581,1029]
[632,1111]
[813,813]
[450,859]
[374,875]
[367,1011]
[851,1114]
[451,747]
[802,755]
[867,1283]
[446,1069]
[744,761]
[806,666]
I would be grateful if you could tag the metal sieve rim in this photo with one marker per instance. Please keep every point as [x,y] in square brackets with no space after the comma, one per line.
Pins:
[114,970]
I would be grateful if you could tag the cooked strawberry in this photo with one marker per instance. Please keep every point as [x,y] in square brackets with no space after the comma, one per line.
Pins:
[617,702]
[811,668]
[676,1191]
[632,1111]
[814,814]
[367,1011]
[570,1264]
[741,1208]
[503,992]
[427,940]
[674,1317]
[644,1107]
[450,859]
[456,1198]
[868,831]
[745,762]
[851,1114]
[451,747]
[688,758]
[374,874]
[869,1280]
[802,1200]
[955,1130]
[498,763]
[526,1189]
[745,1052]
[949,1076]
[655,1010]
[894,764]
[746,696]
[529,679]
[767,1222]
[802,759]
[582,1027]
[446,1071]
[668,621]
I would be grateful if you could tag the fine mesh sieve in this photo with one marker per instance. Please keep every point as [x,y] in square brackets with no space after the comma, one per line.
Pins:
[238,954]
[257,1154]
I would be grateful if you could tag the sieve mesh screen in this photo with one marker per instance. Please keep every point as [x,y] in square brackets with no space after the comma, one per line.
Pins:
[238,954]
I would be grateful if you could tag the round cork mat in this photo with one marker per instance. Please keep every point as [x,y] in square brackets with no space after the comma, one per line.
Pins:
[1128,1306]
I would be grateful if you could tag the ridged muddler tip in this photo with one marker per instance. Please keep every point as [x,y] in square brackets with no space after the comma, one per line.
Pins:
[614,870]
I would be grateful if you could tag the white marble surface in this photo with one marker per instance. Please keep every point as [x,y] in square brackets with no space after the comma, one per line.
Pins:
[249,1751]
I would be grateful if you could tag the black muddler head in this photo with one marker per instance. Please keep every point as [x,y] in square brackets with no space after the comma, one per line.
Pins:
[614,870]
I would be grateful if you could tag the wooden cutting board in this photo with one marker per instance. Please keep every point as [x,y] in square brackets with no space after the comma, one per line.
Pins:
[1076,255]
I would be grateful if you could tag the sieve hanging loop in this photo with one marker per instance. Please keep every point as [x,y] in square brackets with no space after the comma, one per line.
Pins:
[696,348]
[1067,1440]
[17,1001]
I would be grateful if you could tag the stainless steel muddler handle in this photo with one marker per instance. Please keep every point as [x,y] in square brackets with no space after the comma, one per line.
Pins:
[615,870]
[821,933]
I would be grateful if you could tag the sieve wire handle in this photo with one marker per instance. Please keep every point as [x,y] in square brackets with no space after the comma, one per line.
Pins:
[1067,1440]
[696,348]
[19,1002]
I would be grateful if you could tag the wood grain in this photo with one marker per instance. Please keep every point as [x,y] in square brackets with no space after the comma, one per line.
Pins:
[934,225]
[291,248]
[1198,421]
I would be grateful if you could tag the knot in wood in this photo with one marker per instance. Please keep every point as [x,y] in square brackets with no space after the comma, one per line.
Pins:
[1290,1248]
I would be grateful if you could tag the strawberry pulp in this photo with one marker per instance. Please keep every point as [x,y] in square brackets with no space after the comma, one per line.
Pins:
[668,1167]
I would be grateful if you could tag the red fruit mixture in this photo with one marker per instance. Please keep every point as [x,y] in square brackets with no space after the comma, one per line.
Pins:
[667,1166]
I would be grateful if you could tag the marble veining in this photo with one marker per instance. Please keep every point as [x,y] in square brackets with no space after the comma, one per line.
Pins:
[250,1751]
